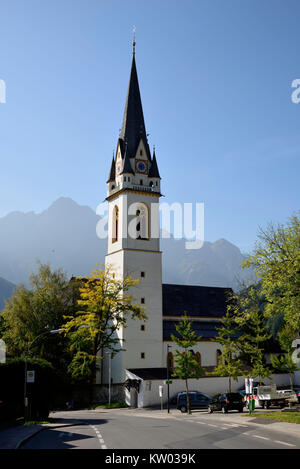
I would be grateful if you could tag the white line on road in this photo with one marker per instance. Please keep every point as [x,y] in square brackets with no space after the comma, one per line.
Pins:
[283,443]
[261,437]
[99,436]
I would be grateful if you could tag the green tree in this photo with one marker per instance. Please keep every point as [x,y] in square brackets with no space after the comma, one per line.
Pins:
[32,311]
[276,260]
[249,309]
[186,364]
[105,305]
[228,337]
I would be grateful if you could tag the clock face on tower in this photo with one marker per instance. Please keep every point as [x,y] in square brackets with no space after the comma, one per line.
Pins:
[141,166]
[118,168]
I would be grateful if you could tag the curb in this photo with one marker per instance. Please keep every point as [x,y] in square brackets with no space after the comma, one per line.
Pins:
[45,427]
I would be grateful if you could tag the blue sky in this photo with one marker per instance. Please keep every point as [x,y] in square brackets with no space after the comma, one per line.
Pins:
[215,79]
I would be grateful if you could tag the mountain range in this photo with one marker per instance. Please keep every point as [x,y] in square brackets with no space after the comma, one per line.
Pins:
[65,236]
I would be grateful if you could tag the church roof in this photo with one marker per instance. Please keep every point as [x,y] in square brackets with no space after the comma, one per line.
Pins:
[154,173]
[205,329]
[195,300]
[133,127]
[112,171]
[127,168]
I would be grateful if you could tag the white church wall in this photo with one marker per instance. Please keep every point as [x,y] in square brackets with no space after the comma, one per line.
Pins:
[149,390]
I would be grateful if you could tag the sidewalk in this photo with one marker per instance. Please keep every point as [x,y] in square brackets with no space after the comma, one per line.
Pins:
[14,437]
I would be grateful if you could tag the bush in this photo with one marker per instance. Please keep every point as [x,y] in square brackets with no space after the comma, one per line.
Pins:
[40,393]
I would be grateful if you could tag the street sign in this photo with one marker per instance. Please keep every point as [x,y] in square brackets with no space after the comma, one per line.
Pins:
[161,391]
[30,376]
[169,381]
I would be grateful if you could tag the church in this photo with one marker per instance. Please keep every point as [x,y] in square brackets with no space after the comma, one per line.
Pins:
[133,249]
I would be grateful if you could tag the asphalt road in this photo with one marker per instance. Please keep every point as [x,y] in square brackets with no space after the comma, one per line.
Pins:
[134,429]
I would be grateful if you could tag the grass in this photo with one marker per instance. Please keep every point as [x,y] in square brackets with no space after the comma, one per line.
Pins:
[113,405]
[36,422]
[290,417]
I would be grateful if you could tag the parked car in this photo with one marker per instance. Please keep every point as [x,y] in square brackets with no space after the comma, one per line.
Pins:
[198,400]
[173,399]
[227,401]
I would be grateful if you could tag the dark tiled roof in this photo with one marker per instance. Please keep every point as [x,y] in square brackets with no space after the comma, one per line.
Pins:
[195,300]
[127,168]
[133,127]
[207,330]
[154,173]
[112,171]
[150,373]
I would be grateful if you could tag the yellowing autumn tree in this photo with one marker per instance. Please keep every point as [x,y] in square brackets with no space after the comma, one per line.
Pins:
[104,306]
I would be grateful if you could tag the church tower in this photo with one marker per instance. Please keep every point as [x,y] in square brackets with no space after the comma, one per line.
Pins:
[133,192]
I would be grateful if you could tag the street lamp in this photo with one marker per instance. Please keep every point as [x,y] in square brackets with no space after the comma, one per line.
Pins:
[168,383]
[53,331]
[109,378]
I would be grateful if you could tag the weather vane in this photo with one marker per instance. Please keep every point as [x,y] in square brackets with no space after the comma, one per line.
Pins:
[133,43]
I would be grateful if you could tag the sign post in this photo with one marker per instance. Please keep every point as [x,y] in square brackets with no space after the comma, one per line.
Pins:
[161,393]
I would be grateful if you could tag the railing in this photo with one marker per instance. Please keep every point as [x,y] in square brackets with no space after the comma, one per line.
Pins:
[139,188]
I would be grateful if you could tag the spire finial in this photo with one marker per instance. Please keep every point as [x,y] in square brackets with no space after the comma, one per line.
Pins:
[133,42]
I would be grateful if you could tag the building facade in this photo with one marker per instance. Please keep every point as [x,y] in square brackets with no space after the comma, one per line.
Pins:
[133,249]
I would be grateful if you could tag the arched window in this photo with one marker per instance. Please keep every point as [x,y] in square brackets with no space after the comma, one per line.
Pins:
[142,222]
[115,225]
[198,358]
[219,357]
[170,362]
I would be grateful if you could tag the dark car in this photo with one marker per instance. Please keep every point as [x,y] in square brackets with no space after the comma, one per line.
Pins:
[173,399]
[227,401]
[198,400]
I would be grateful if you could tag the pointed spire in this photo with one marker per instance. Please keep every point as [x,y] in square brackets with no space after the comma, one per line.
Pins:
[127,168]
[154,173]
[133,127]
[112,170]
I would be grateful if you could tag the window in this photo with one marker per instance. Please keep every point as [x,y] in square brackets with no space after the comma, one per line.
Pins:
[143,301]
[141,182]
[143,274]
[142,221]
[124,178]
[198,358]
[141,152]
[170,362]
[115,227]
[142,355]
[142,327]
[151,184]
[219,357]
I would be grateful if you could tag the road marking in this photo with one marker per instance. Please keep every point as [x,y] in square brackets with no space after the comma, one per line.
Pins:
[261,437]
[99,436]
[283,443]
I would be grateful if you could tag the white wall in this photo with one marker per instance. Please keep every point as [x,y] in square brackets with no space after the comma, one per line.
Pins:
[149,390]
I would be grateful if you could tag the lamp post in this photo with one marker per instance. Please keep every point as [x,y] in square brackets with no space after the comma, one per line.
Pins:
[53,331]
[168,383]
[109,378]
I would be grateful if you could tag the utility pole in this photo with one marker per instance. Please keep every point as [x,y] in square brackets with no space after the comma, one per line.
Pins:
[168,381]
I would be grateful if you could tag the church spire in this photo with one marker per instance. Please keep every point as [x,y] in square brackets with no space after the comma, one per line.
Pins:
[133,127]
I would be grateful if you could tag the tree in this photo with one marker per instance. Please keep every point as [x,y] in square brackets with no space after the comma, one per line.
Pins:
[31,312]
[285,362]
[186,364]
[276,260]
[104,306]
[249,308]
[228,337]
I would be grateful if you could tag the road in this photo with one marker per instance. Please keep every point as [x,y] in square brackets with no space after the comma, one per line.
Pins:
[140,429]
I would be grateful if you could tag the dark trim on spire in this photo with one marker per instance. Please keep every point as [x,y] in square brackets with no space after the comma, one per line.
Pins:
[133,126]
[154,173]
[127,168]
[112,173]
